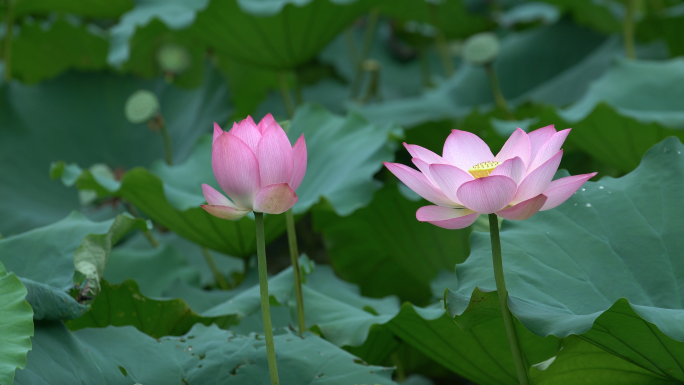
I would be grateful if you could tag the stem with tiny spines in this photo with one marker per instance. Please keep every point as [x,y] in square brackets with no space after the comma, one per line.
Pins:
[368,34]
[628,29]
[263,289]
[496,91]
[518,358]
[7,54]
[220,280]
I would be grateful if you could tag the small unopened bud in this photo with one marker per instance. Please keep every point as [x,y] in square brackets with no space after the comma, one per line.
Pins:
[173,58]
[141,106]
[481,48]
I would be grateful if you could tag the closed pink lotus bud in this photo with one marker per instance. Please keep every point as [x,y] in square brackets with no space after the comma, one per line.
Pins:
[468,180]
[256,167]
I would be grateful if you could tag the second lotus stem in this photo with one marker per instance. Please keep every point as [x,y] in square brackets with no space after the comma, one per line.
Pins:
[265,305]
[294,256]
[167,139]
[7,46]
[518,359]
[628,29]
[220,279]
[289,220]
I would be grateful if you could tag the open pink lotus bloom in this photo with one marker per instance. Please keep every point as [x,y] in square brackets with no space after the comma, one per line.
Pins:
[468,180]
[256,167]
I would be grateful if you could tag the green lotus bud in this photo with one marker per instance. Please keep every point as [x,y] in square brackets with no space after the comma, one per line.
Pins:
[173,58]
[481,48]
[141,106]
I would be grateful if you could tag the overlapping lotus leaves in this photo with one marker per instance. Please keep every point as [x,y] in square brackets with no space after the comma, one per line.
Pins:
[16,328]
[344,154]
[289,33]
[85,8]
[377,246]
[206,353]
[174,260]
[571,69]
[34,118]
[124,305]
[50,261]
[604,265]
[370,327]
[450,16]
[118,356]
[603,16]
[43,50]
[124,355]
[582,362]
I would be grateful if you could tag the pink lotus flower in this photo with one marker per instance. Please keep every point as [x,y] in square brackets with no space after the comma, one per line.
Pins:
[256,167]
[468,180]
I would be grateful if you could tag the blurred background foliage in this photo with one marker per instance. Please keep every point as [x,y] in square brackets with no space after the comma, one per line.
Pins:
[357,78]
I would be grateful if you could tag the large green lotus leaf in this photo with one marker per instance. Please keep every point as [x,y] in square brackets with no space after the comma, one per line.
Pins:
[385,250]
[637,89]
[372,328]
[79,118]
[211,355]
[603,16]
[604,265]
[124,305]
[573,57]
[582,362]
[450,16]
[175,260]
[171,196]
[118,356]
[289,33]
[16,328]
[50,259]
[343,153]
[86,8]
[45,49]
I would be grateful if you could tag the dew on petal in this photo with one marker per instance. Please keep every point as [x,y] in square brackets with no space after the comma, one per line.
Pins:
[588,204]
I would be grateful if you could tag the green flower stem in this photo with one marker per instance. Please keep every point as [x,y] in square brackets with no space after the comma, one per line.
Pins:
[7,54]
[425,72]
[503,300]
[350,43]
[167,139]
[285,91]
[265,307]
[291,232]
[371,23]
[441,42]
[628,29]
[294,256]
[496,91]
[220,280]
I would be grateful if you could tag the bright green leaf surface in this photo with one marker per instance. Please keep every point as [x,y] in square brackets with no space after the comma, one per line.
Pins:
[47,259]
[385,250]
[34,119]
[86,8]
[42,51]
[16,327]
[604,265]
[124,305]
[583,363]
